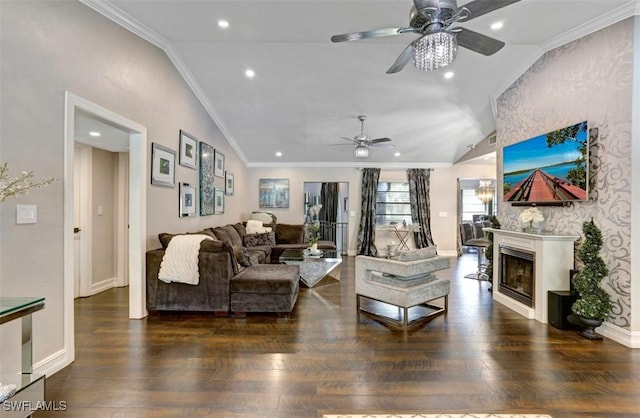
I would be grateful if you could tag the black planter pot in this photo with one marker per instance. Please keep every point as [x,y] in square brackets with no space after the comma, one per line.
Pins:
[589,326]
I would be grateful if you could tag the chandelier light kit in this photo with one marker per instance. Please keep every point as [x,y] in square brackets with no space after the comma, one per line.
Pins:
[361,151]
[485,191]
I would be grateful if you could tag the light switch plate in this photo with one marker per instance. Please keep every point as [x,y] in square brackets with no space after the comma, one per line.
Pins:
[26,214]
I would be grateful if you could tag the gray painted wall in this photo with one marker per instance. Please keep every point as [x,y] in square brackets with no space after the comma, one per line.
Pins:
[589,79]
[104,167]
[49,47]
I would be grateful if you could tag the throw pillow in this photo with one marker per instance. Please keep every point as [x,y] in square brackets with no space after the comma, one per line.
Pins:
[242,255]
[255,227]
[413,255]
[256,240]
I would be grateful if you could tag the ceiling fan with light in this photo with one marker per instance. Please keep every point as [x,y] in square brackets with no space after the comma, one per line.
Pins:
[363,142]
[438,42]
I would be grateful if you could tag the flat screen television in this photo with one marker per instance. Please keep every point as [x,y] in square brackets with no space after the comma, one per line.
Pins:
[548,168]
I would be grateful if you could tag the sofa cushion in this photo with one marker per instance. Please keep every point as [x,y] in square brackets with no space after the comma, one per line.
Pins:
[256,256]
[420,254]
[289,234]
[228,234]
[241,229]
[267,278]
[255,240]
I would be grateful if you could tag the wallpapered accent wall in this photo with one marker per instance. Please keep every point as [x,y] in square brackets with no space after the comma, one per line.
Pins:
[588,79]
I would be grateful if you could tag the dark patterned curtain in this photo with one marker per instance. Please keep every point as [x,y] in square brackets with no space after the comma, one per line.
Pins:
[329,211]
[420,205]
[367,230]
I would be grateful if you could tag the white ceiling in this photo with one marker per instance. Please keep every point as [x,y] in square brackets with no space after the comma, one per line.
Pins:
[308,91]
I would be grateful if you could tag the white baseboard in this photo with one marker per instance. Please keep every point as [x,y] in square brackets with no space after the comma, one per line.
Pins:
[53,364]
[103,285]
[448,253]
[620,335]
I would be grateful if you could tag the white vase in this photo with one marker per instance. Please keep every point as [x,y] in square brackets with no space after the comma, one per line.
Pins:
[314,248]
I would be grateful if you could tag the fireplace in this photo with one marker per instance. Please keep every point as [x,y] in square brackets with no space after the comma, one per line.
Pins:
[517,274]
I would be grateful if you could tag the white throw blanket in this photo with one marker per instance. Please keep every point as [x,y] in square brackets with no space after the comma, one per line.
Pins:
[180,260]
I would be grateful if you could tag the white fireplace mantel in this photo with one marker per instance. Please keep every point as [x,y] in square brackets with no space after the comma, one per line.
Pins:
[554,256]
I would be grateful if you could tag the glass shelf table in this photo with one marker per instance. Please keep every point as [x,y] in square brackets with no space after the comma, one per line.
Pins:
[29,386]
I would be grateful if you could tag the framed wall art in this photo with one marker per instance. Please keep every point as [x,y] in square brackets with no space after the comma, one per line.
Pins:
[207,156]
[188,156]
[228,184]
[219,170]
[274,193]
[219,200]
[187,206]
[163,166]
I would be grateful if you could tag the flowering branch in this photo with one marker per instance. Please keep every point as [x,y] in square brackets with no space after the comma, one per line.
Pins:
[18,185]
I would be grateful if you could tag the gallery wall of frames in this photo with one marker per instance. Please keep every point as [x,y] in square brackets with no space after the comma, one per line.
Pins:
[208,196]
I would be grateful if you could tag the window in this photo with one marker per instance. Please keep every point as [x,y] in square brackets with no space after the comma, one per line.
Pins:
[471,205]
[392,203]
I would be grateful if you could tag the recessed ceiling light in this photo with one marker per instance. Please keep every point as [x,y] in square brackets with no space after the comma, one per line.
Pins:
[497,25]
[250,73]
[449,74]
[95,133]
[278,154]
[223,24]
[397,154]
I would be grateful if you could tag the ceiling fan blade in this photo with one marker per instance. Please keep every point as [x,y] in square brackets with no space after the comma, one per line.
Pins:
[480,7]
[339,145]
[402,60]
[379,140]
[376,33]
[351,139]
[383,145]
[478,42]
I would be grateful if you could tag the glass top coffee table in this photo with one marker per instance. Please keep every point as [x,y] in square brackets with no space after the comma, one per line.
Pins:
[315,270]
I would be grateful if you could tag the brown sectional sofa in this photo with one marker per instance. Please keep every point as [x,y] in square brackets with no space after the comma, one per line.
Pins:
[225,258]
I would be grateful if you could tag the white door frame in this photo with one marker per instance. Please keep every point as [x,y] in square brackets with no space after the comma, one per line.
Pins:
[137,210]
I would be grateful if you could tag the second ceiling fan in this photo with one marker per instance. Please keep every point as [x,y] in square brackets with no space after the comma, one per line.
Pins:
[363,142]
[438,43]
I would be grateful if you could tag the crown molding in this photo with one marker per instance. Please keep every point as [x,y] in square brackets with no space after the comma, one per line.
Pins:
[607,19]
[119,17]
[364,164]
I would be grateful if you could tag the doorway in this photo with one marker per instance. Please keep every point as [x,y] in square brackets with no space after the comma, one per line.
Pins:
[335,198]
[136,196]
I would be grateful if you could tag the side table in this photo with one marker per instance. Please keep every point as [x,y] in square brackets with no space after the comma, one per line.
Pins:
[29,386]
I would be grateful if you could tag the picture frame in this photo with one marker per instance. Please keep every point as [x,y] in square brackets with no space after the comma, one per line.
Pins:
[219,164]
[219,200]
[273,193]
[187,205]
[188,156]
[163,166]
[206,177]
[229,183]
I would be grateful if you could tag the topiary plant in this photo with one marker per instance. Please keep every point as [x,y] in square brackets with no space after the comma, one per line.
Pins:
[594,302]
[495,223]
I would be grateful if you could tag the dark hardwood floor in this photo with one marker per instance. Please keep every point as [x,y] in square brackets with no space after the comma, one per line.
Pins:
[479,357]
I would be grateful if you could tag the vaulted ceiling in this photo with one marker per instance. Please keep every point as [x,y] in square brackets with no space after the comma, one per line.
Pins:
[307,92]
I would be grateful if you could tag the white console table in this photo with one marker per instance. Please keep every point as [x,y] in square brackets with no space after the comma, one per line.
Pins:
[554,255]
[29,386]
